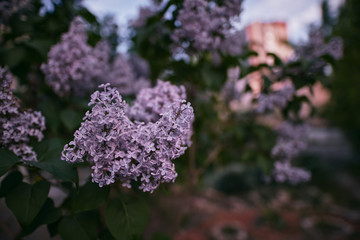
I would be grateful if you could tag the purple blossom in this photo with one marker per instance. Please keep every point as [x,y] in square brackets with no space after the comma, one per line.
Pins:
[204,25]
[233,43]
[72,67]
[123,76]
[17,126]
[151,102]
[277,99]
[75,68]
[316,46]
[290,143]
[120,149]
[284,172]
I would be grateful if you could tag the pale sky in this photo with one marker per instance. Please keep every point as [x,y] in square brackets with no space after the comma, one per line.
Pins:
[298,14]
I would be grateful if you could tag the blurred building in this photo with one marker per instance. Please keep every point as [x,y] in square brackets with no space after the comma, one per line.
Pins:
[272,37]
[266,38]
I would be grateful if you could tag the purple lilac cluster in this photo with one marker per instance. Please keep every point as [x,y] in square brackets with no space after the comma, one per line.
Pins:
[317,46]
[75,68]
[17,126]
[150,103]
[72,67]
[206,25]
[121,149]
[277,99]
[122,76]
[289,144]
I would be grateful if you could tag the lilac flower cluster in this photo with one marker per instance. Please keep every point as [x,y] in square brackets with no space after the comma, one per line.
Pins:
[75,68]
[17,126]
[205,24]
[278,99]
[72,66]
[283,171]
[150,103]
[317,47]
[121,149]
[123,77]
[289,144]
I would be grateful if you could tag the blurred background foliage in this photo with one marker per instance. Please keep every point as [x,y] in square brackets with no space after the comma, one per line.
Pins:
[345,81]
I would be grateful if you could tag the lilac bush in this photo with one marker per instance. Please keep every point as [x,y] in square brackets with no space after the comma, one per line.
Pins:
[121,149]
[17,126]
[194,42]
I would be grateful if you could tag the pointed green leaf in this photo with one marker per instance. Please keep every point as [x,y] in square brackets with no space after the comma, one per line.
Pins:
[89,196]
[82,226]
[71,119]
[7,160]
[48,214]
[10,182]
[49,160]
[126,220]
[25,200]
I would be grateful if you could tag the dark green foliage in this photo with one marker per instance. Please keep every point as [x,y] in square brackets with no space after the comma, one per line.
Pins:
[49,160]
[47,215]
[26,200]
[82,226]
[10,182]
[160,236]
[126,220]
[89,197]
[8,159]
[346,81]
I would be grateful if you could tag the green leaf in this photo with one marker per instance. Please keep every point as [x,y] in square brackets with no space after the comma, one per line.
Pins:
[13,56]
[212,77]
[71,119]
[160,236]
[89,196]
[47,215]
[51,113]
[25,201]
[49,160]
[277,59]
[41,46]
[82,226]
[8,159]
[126,220]
[10,182]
